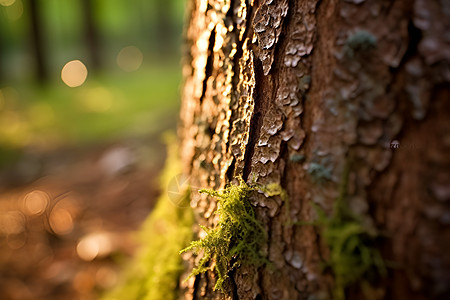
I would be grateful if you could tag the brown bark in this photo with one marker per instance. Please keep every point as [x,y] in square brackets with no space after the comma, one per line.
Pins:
[292,92]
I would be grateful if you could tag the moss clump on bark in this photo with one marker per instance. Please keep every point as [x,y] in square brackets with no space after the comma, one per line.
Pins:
[236,239]
[353,258]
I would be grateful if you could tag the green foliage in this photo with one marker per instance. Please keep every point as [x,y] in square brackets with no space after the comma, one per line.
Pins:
[237,238]
[155,272]
[353,256]
[104,108]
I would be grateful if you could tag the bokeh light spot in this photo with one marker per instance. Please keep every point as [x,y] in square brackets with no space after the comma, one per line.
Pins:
[74,73]
[36,202]
[94,245]
[7,2]
[130,58]
[15,11]
[61,221]
[12,222]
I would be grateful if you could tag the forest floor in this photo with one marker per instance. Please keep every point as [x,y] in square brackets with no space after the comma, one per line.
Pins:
[68,217]
[79,172]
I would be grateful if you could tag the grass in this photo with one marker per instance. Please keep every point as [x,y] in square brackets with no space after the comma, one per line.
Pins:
[104,107]
[154,274]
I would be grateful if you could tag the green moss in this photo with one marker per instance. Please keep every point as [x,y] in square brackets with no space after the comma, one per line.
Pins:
[237,238]
[155,272]
[353,258]
[273,189]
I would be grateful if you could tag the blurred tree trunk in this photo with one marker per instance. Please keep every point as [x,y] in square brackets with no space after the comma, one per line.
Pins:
[165,33]
[1,58]
[37,40]
[296,92]
[91,35]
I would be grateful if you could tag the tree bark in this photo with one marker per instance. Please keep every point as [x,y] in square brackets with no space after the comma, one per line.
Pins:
[164,29]
[296,92]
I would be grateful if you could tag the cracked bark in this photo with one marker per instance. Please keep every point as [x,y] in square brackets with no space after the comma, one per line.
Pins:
[276,90]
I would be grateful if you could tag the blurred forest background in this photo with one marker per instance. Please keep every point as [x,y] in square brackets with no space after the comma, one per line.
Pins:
[87,87]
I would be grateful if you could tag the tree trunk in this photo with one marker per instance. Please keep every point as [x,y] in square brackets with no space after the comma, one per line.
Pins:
[163,27]
[91,35]
[2,53]
[322,97]
[37,41]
